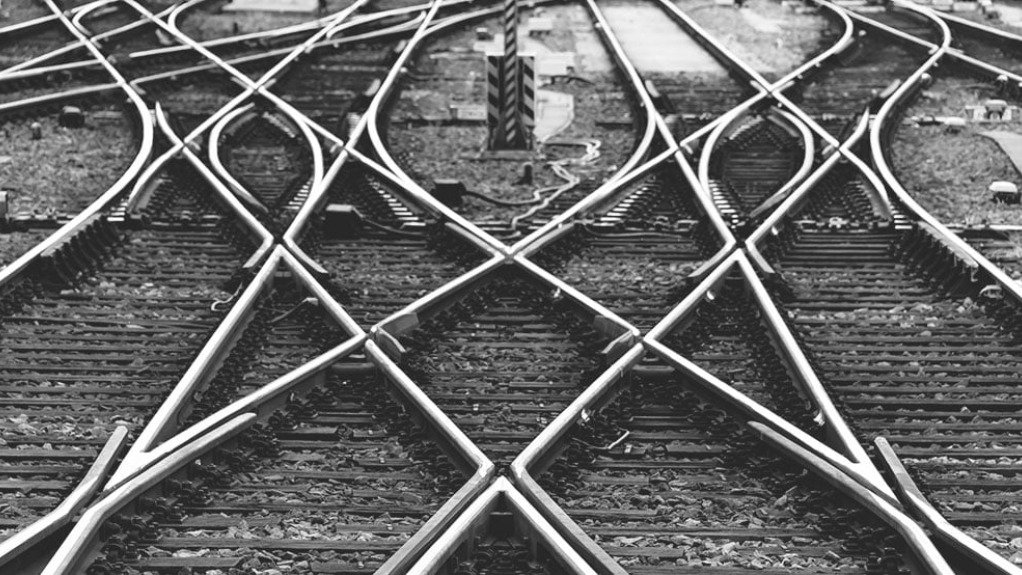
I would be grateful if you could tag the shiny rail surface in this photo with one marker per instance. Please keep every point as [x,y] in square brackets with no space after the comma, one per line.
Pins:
[206,372]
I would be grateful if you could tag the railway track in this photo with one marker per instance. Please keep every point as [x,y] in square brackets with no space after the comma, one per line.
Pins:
[870,68]
[919,357]
[388,255]
[620,255]
[393,414]
[568,162]
[689,488]
[760,156]
[703,91]
[96,334]
[504,360]
[335,482]
[906,21]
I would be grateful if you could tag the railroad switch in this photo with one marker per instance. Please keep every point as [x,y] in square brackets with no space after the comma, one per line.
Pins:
[1004,192]
[342,221]
[71,117]
[450,192]
[37,130]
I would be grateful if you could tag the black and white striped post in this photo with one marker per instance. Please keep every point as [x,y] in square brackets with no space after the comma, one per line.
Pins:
[509,109]
[510,95]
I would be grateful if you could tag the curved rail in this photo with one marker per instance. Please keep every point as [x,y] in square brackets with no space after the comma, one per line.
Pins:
[13,548]
[934,521]
[75,547]
[56,53]
[251,87]
[808,156]
[855,460]
[232,182]
[145,150]
[876,141]
[213,155]
[463,529]
[317,196]
[254,227]
[769,226]
[932,560]
[642,150]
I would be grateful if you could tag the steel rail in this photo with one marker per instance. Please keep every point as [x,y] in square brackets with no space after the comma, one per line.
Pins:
[877,136]
[86,9]
[862,470]
[951,52]
[720,52]
[916,502]
[9,72]
[796,75]
[838,431]
[808,156]
[16,546]
[75,547]
[741,402]
[769,227]
[213,148]
[399,178]
[258,86]
[247,92]
[642,150]
[52,98]
[30,67]
[213,156]
[958,539]
[538,455]
[540,531]
[776,91]
[804,170]
[14,268]
[285,31]
[408,318]
[876,141]
[685,144]
[215,350]
[456,443]
[174,409]
[791,353]
[626,329]
[318,196]
[396,29]
[222,193]
[19,26]
[917,539]
[262,402]
[860,474]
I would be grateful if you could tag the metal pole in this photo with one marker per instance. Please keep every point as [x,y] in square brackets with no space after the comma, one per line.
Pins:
[512,127]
